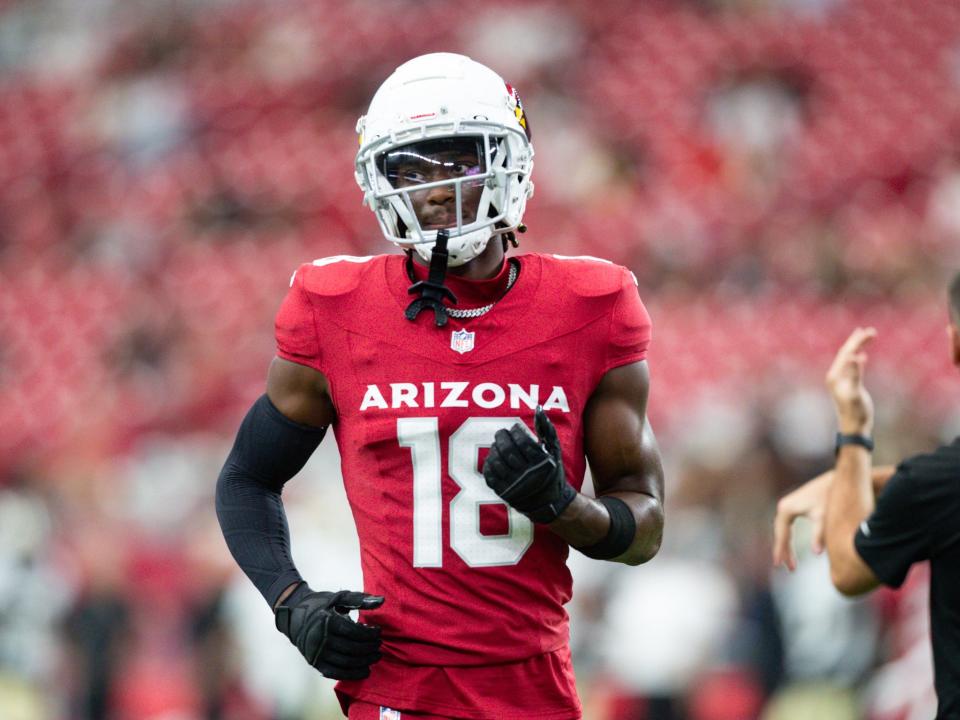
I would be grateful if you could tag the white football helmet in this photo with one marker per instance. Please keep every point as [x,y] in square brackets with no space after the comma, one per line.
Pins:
[437,101]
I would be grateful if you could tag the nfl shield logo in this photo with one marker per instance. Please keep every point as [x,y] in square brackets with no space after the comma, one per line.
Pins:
[461,341]
[388,714]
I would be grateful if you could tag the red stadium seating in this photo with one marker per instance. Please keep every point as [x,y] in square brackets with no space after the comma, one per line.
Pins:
[187,248]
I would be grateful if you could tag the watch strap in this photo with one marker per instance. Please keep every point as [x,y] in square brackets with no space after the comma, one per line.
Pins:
[853,439]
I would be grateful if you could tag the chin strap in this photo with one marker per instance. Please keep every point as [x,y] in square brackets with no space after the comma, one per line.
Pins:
[432,290]
[511,237]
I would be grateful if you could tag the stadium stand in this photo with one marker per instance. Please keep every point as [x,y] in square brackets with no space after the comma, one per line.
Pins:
[773,171]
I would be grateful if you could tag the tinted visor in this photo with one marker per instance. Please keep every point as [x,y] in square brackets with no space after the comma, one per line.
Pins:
[433,160]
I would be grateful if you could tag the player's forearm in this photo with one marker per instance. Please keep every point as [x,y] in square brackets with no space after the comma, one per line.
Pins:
[584,522]
[850,499]
[587,522]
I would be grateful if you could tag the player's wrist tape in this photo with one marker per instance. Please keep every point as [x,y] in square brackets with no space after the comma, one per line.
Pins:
[853,439]
[619,537]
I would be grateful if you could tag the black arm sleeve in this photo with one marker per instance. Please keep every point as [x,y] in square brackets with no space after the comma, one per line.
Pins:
[269,450]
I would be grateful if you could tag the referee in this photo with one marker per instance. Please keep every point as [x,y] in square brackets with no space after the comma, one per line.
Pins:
[876,523]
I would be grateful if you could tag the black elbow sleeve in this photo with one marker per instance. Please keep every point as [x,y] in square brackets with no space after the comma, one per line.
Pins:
[619,537]
[269,450]
[271,447]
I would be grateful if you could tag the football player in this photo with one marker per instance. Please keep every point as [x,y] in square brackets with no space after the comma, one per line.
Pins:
[467,391]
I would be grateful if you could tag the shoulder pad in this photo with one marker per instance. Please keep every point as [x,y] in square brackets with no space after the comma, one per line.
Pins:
[586,275]
[334,275]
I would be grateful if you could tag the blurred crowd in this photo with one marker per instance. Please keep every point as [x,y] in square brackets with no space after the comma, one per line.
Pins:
[774,172]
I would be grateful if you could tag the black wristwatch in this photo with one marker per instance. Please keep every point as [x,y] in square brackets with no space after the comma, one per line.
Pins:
[856,439]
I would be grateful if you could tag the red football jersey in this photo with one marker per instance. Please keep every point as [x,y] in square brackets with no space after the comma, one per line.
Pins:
[467,580]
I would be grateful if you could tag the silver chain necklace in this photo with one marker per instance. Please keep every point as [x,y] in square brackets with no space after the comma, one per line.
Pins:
[477,312]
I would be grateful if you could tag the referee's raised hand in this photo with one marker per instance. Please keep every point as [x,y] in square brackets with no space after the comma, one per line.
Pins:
[851,400]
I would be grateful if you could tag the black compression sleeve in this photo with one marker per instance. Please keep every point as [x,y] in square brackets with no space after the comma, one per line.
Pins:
[269,450]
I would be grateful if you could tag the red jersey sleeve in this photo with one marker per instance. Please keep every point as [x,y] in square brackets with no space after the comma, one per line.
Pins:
[296,327]
[630,326]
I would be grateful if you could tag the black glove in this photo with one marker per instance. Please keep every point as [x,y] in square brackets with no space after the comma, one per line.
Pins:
[529,475]
[319,625]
